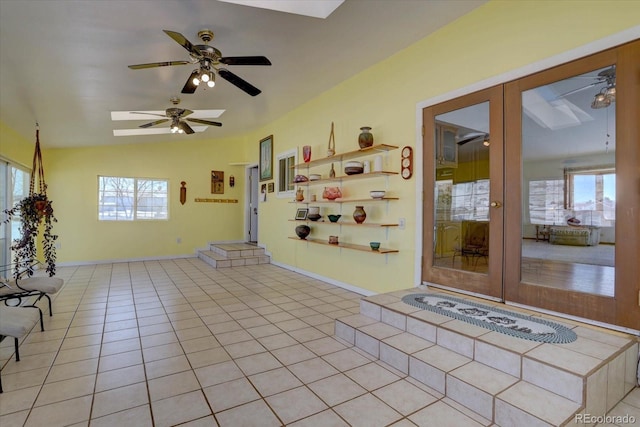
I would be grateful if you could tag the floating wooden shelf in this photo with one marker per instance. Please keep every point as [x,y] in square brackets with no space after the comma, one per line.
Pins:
[351,224]
[360,248]
[346,178]
[370,199]
[348,155]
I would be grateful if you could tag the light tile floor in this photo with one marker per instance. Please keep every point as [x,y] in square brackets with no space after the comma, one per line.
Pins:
[177,342]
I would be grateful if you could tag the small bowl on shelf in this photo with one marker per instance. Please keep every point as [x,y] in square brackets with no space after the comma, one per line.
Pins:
[377,194]
[334,218]
[314,217]
[314,177]
[353,170]
[374,245]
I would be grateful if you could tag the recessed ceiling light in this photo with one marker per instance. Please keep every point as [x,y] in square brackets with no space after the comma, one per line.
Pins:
[313,8]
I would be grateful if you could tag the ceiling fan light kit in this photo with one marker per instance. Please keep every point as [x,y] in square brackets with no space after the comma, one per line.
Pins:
[208,59]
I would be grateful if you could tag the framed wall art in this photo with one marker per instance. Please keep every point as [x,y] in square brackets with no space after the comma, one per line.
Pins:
[217,182]
[266,158]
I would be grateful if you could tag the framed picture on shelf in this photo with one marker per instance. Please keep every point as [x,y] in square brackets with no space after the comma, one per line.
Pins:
[266,158]
[301,214]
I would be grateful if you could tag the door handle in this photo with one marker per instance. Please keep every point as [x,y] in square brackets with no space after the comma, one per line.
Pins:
[255,211]
[496,204]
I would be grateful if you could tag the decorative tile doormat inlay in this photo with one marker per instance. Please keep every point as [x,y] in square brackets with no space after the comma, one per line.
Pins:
[495,319]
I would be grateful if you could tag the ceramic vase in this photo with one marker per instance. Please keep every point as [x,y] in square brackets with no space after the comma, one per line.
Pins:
[306,153]
[299,195]
[359,215]
[303,231]
[365,139]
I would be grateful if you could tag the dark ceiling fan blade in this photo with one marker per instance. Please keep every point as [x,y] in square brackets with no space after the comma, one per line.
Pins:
[157,122]
[185,113]
[205,122]
[158,64]
[189,87]
[245,60]
[185,127]
[182,41]
[239,82]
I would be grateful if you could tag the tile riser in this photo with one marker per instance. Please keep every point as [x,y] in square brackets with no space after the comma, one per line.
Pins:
[222,258]
[576,392]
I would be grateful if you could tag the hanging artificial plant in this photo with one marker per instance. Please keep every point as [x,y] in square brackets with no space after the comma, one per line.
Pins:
[32,211]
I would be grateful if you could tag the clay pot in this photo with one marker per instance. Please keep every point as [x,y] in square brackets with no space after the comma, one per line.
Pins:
[365,139]
[359,215]
[300,195]
[302,231]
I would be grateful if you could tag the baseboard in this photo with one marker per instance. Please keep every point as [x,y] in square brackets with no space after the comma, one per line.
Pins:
[347,286]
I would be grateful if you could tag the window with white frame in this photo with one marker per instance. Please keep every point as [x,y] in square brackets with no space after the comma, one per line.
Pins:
[592,189]
[132,199]
[286,172]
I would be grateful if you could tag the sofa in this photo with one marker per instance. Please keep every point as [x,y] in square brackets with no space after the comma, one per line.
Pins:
[574,236]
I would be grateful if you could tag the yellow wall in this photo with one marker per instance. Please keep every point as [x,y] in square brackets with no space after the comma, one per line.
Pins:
[496,38]
[73,186]
[16,147]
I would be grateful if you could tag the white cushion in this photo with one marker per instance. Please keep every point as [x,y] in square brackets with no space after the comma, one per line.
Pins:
[17,321]
[48,285]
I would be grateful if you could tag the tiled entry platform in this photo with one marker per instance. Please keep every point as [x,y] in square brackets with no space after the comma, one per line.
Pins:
[224,255]
[503,380]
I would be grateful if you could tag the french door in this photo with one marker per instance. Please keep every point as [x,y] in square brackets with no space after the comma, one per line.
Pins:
[463,196]
[531,190]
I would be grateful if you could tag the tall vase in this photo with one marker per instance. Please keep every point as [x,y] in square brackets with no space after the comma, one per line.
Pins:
[365,139]
[359,215]
[306,153]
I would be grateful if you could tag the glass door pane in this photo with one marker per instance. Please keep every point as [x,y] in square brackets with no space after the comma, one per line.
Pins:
[461,192]
[569,183]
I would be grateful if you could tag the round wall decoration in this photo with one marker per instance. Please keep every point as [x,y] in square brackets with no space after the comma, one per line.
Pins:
[406,163]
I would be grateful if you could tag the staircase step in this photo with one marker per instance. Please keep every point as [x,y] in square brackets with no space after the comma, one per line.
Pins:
[525,404]
[226,255]
[493,374]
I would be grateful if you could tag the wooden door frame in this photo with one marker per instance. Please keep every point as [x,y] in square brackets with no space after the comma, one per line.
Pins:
[623,309]
[489,284]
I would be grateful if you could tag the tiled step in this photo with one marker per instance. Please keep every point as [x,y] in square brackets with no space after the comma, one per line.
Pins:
[503,379]
[225,255]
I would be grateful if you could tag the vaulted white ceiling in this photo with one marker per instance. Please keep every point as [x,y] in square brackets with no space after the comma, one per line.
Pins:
[63,63]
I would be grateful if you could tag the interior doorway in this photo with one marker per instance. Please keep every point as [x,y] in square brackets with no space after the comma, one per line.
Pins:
[253,192]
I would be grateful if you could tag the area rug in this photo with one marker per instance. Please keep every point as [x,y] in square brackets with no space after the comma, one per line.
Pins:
[495,319]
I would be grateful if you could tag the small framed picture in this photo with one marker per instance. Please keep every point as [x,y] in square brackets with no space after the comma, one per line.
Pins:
[301,214]
[270,187]
[266,158]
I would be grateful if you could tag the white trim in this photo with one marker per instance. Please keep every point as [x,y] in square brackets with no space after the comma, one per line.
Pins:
[121,260]
[329,280]
[284,155]
[608,42]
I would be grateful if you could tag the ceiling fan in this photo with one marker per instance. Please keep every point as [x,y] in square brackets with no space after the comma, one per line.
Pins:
[208,59]
[607,94]
[175,115]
